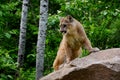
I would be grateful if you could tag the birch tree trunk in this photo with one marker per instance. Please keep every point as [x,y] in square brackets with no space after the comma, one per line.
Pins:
[22,37]
[41,38]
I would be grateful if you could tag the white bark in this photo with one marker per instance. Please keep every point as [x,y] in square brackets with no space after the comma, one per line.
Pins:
[41,38]
[22,37]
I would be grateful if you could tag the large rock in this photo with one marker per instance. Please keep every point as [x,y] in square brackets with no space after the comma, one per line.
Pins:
[102,65]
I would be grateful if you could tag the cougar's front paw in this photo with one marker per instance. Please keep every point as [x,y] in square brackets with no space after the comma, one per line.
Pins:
[95,50]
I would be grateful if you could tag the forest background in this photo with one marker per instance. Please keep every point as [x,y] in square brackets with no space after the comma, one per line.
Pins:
[100,18]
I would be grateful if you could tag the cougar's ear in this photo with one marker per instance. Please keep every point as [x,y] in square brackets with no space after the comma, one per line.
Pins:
[70,18]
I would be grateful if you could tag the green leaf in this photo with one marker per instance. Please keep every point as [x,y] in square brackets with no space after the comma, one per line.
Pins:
[8,35]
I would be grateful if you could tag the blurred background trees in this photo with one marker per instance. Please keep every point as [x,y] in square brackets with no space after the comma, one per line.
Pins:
[100,18]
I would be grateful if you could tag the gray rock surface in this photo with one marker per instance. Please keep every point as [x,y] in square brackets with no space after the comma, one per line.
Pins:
[102,65]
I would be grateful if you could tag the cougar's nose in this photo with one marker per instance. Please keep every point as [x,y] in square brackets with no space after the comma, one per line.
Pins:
[61,31]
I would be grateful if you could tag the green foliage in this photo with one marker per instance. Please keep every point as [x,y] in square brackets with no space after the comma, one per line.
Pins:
[28,74]
[8,66]
[9,21]
[114,40]
[100,18]
[52,42]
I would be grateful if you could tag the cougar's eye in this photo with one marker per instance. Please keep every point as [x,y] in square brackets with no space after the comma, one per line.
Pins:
[64,25]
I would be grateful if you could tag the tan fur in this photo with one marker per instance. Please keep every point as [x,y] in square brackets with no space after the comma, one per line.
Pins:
[74,37]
